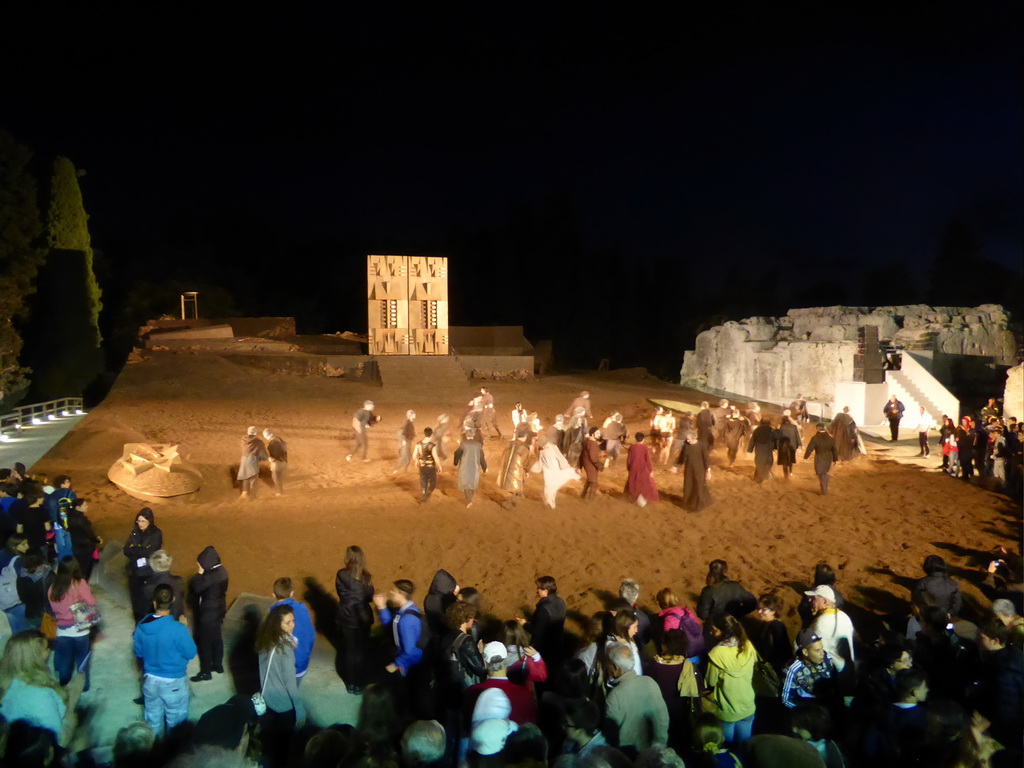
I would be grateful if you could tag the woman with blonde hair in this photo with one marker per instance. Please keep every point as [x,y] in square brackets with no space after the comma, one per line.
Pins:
[30,692]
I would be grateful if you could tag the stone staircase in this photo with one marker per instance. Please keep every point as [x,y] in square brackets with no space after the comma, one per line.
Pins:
[414,371]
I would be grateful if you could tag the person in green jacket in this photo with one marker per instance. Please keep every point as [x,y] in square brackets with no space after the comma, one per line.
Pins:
[730,677]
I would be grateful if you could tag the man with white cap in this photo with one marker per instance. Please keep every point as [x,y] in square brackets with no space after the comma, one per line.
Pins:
[362,420]
[520,698]
[831,625]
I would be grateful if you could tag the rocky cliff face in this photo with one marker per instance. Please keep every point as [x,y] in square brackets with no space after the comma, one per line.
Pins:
[808,350]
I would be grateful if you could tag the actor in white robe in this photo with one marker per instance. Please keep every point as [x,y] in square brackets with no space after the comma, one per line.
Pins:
[557,471]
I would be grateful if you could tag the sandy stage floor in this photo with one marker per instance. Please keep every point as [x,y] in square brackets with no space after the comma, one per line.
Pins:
[880,521]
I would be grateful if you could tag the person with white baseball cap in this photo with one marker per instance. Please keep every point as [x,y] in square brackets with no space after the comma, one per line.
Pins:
[832,625]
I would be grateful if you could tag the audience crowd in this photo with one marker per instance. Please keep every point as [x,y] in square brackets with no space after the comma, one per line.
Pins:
[444,682]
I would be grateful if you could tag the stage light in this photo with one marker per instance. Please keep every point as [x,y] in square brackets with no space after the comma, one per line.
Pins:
[65,413]
[50,417]
[79,411]
[5,438]
[36,421]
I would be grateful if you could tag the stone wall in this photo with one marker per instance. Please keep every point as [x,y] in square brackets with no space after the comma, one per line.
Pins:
[808,350]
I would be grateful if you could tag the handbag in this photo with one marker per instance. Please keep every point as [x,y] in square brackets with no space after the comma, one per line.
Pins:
[258,702]
[86,616]
[48,626]
[766,681]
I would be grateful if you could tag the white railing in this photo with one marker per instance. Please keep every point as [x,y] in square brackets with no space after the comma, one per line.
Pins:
[39,413]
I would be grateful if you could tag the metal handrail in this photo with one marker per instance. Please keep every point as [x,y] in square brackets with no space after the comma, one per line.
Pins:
[40,413]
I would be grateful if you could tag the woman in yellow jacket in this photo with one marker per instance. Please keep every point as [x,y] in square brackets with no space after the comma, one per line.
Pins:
[730,677]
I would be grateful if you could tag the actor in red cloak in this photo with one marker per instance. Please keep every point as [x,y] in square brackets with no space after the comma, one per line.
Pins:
[640,482]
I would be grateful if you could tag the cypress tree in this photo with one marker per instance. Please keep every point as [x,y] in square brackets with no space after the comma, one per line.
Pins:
[21,232]
[62,341]
[67,229]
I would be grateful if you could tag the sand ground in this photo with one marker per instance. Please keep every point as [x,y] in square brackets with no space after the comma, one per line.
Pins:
[880,520]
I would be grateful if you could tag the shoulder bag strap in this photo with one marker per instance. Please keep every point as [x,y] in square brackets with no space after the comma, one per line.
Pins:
[269,662]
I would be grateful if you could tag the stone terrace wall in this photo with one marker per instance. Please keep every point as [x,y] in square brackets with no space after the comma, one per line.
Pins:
[808,350]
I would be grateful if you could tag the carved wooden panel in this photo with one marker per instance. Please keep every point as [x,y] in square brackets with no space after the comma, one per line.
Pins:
[407,298]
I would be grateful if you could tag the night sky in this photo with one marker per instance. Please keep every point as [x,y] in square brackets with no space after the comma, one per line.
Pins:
[823,146]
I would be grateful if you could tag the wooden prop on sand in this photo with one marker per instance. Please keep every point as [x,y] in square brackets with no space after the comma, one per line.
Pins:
[673,405]
[154,471]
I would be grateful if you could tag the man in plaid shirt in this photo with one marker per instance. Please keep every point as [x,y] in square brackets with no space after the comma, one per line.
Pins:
[812,675]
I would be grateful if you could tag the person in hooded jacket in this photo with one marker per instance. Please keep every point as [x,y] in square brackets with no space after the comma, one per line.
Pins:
[209,590]
[85,544]
[444,591]
[165,649]
[143,541]
[354,585]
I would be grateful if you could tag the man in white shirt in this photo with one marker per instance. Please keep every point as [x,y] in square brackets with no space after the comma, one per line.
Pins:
[832,625]
[925,424]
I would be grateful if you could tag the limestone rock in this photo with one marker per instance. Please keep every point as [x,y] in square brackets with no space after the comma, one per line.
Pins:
[811,348]
[1013,395]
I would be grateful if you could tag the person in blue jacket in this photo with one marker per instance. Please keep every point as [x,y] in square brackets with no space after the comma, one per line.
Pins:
[165,648]
[406,623]
[304,632]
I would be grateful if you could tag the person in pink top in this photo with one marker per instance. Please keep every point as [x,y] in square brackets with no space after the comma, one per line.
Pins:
[72,648]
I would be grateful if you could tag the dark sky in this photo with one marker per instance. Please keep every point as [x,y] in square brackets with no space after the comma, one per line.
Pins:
[841,138]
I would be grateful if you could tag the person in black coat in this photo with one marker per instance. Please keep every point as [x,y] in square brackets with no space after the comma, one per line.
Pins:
[943,591]
[823,446]
[442,593]
[85,544]
[143,541]
[722,594]
[772,639]
[761,444]
[209,590]
[354,585]
[548,622]
[999,694]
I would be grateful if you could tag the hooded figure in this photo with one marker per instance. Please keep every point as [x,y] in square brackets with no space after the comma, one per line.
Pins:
[469,458]
[143,541]
[253,452]
[442,593]
[209,591]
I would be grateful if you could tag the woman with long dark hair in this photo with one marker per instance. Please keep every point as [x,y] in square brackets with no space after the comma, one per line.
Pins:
[71,650]
[354,585]
[275,645]
[143,541]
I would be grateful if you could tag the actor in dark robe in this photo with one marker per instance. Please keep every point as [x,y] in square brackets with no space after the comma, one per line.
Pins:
[469,458]
[590,462]
[512,473]
[823,446]
[575,434]
[640,487]
[844,430]
[736,428]
[787,439]
[761,444]
[696,473]
[705,422]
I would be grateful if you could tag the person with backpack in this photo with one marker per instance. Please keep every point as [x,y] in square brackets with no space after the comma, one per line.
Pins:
[409,632]
[58,505]
[10,563]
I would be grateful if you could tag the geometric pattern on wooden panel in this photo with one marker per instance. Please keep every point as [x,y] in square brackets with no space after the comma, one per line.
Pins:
[407,305]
